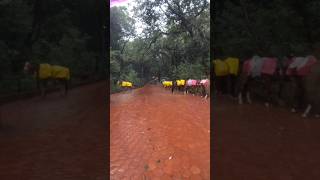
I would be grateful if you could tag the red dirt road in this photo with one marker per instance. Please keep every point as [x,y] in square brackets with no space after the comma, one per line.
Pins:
[56,138]
[253,142]
[157,135]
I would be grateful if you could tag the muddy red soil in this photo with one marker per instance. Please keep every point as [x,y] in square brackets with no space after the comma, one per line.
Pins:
[159,135]
[56,138]
[253,142]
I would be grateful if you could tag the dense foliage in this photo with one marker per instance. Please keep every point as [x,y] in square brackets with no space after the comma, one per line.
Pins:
[174,43]
[267,28]
[63,32]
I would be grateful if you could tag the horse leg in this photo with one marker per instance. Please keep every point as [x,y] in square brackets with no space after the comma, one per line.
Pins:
[60,83]
[66,88]
[316,109]
[202,91]
[307,111]
[298,94]
[267,86]
[232,85]
[43,88]
[229,85]
[296,97]
[241,88]
[205,94]
[248,97]
[317,112]
[295,101]
[207,91]
[42,91]
[240,101]
[248,93]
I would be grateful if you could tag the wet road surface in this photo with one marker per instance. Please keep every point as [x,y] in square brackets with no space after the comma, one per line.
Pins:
[252,142]
[157,135]
[56,138]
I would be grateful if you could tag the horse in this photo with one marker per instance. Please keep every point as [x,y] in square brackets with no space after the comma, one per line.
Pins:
[221,72]
[233,70]
[46,72]
[205,88]
[226,75]
[263,69]
[125,84]
[167,84]
[304,72]
[179,85]
[174,86]
[191,86]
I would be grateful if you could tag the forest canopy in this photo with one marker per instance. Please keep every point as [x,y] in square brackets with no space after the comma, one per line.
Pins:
[174,42]
[266,28]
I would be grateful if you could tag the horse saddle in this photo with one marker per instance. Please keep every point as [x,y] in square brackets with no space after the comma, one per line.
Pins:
[53,71]
[233,65]
[220,68]
[301,66]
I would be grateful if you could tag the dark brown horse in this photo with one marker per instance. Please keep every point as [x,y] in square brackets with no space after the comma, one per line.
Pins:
[205,88]
[267,72]
[306,85]
[191,86]
[45,72]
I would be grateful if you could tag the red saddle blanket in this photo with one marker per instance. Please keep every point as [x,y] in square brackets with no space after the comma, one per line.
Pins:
[303,70]
[269,66]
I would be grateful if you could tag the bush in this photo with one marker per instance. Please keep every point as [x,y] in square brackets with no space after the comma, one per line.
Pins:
[132,76]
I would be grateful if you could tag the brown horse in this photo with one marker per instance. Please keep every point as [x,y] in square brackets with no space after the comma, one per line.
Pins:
[263,70]
[191,86]
[45,72]
[205,88]
[125,85]
[306,87]
[304,83]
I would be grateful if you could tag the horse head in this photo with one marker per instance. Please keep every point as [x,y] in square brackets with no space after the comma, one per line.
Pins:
[28,68]
[119,82]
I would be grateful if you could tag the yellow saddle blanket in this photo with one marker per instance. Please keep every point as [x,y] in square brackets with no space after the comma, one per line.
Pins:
[220,68]
[126,84]
[181,82]
[53,71]
[233,65]
[167,83]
